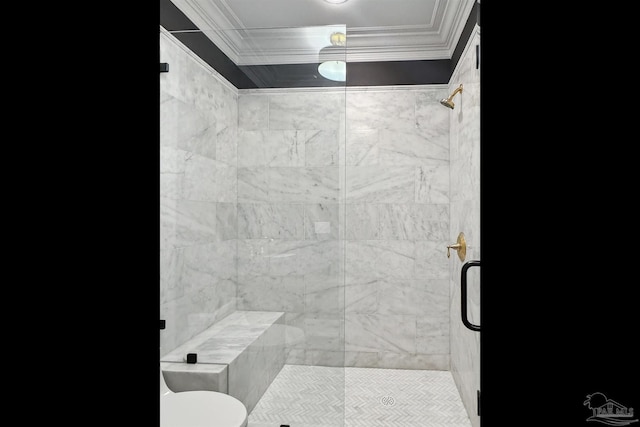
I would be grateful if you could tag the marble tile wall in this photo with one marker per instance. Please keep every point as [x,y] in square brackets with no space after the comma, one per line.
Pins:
[333,206]
[465,217]
[289,247]
[397,226]
[239,355]
[343,217]
[253,370]
[198,191]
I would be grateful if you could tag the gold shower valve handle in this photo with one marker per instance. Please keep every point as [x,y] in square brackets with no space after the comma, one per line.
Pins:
[456,247]
[460,246]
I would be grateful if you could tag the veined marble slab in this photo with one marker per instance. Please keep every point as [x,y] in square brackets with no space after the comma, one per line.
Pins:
[188,377]
[247,348]
[226,339]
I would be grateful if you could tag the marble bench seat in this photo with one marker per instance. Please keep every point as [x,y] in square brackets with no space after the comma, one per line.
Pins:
[239,355]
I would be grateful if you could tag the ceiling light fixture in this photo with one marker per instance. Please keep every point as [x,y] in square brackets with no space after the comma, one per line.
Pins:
[332,58]
[335,1]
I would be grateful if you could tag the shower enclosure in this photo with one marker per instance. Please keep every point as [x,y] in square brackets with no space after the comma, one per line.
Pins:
[304,232]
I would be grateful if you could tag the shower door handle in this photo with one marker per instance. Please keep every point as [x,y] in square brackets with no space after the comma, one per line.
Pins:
[463,284]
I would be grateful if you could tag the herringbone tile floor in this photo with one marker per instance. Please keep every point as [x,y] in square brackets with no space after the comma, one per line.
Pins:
[318,396]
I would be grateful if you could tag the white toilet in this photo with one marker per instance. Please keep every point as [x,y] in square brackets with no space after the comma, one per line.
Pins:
[199,408]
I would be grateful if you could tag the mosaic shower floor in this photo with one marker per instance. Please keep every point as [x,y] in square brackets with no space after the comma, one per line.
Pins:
[318,396]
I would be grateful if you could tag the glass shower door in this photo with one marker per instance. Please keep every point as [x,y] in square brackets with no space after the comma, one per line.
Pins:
[251,251]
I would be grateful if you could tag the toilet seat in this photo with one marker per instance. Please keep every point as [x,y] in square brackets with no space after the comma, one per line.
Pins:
[201,409]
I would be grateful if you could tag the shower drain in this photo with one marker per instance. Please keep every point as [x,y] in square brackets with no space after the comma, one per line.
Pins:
[387,400]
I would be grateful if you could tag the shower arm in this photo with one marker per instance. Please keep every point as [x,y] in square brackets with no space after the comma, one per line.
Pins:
[458,89]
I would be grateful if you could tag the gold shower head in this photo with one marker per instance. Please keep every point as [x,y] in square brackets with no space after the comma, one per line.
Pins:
[448,102]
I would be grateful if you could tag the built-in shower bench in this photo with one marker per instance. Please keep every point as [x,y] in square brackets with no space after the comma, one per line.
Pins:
[239,355]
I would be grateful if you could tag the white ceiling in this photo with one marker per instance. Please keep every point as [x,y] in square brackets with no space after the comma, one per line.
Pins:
[252,32]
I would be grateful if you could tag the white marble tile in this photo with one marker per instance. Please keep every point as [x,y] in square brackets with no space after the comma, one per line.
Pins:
[351,397]
[296,356]
[193,313]
[304,407]
[288,184]
[432,182]
[323,333]
[361,295]
[295,336]
[278,221]
[286,148]
[196,130]
[172,170]
[225,105]
[383,259]
[200,87]
[439,362]
[170,82]
[434,299]
[397,221]
[303,257]
[227,145]
[253,112]
[249,343]
[273,148]
[303,185]
[432,334]
[321,147]
[223,340]
[362,221]
[391,205]
[465,204]
[380,184]
[199,178]
[320,111]
[322,294]
[324,358]
[362,147]
[253,185]
[227,182]
[251,148]
[169,106]
[253,257]
[410,147]
[208,180]
[175,311]
[251,373]
[204,264]
[381,110]
[171,261]
[413,222]
[193,377]
[432,118]
[431,222]
[168,223]
[431,260]
[196,222]
[465,172]
[364,359]
[321,221]
[271,293]
[198,183]
[376,333]
[226,221]
[400,297]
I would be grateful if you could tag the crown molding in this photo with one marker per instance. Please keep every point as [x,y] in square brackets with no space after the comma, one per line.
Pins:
[272,46]
[215,24]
